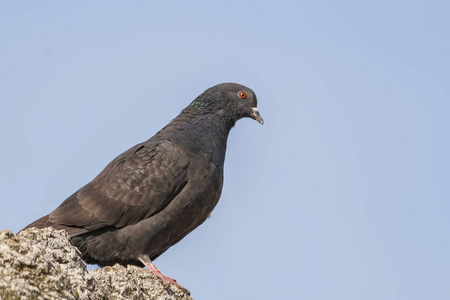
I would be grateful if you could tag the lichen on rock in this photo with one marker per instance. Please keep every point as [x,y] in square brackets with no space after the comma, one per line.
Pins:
[42,264]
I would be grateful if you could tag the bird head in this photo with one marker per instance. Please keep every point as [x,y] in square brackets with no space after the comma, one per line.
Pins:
[231,100]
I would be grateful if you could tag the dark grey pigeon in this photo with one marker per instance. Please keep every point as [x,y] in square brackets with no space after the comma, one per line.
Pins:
[151,196]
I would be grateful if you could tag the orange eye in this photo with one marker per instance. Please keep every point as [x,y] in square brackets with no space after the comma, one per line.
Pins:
[243,95]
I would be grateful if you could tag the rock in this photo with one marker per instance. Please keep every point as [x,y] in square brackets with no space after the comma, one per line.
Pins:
[42,264]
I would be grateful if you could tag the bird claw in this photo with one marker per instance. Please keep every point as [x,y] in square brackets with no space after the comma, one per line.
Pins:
[145,260]
[167,281]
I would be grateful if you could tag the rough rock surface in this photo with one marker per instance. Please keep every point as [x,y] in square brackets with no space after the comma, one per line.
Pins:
[42,264]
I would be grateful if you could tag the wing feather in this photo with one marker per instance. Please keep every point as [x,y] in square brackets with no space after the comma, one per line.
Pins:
[134,186]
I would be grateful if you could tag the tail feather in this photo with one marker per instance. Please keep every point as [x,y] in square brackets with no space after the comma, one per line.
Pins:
[45,222]
[40,223]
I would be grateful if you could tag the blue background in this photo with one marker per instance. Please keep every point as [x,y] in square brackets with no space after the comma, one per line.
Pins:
[342,194]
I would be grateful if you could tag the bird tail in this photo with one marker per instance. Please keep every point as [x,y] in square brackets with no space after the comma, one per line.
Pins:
[39,223]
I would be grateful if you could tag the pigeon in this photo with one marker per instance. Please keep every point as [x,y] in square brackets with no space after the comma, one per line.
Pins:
[151,196]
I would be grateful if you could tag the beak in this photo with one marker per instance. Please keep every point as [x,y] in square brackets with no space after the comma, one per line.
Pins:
[255,115]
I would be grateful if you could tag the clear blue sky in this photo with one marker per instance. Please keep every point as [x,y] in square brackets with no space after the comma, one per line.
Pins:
[342,194]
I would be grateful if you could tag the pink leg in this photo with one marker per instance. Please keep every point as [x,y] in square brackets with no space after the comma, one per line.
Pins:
[148,263]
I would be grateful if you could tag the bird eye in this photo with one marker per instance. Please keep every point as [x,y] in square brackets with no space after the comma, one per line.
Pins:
[243,95]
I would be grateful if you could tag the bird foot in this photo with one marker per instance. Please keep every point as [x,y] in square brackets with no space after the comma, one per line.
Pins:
[165,280]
